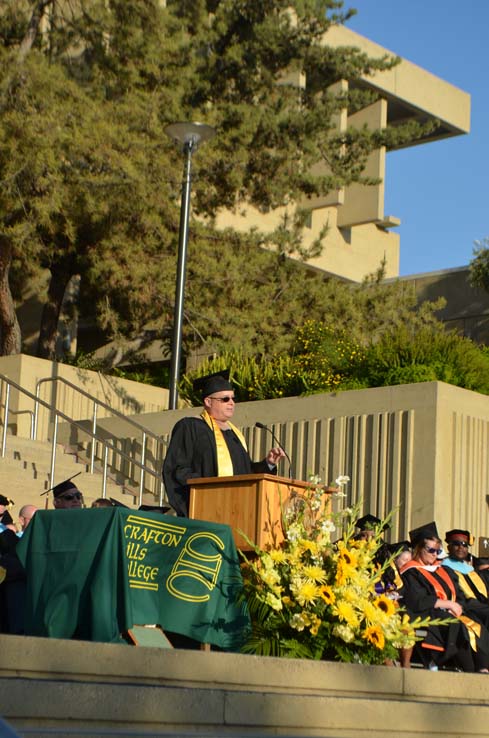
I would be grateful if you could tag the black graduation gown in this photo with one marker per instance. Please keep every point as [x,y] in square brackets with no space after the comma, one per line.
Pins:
[192,453]
[444,643]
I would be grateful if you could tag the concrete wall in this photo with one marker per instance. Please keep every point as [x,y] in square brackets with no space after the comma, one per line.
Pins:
[69,688]
[420,449]
[467,308]
[122,395]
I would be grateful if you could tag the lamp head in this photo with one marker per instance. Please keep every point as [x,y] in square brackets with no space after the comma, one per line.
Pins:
[190,134]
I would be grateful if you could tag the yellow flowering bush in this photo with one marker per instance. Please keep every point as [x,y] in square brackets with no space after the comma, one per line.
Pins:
[313,596]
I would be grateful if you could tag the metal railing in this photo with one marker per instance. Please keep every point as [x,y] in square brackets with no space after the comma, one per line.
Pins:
[107,444]
[145,432]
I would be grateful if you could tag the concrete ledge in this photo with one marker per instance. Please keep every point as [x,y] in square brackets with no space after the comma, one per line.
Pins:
[74,688]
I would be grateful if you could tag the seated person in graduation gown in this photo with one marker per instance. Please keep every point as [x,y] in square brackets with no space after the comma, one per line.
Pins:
[474,585]
[431,589]
[210,446]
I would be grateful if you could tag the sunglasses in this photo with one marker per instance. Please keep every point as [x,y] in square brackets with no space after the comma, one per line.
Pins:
[431,550]
[459,543]
[71,497]
[223,399]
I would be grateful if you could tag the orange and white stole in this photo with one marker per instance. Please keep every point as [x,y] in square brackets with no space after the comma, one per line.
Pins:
[474,628]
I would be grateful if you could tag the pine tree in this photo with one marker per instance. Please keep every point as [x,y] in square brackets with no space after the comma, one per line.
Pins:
[91,184]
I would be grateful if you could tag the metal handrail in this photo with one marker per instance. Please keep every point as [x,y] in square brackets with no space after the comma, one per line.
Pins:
[145,432]
[107,444]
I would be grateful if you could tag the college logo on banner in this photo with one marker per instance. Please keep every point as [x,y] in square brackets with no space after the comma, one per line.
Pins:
[195,562]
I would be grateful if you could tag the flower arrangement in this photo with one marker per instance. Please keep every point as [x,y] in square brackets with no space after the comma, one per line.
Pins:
[310,597]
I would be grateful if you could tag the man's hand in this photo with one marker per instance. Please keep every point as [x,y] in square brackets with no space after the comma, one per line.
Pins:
[274,456]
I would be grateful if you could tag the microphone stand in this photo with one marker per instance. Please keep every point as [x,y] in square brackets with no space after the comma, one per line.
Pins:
[262,426]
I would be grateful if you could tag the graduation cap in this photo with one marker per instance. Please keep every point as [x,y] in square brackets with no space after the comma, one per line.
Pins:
[397,548]
[458,535]
[6,501]
[116,503]
[428,530]
[155,508]
[211,383]
[62,487]
[370,522]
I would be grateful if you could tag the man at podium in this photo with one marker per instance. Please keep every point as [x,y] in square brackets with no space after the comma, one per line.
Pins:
[210,446]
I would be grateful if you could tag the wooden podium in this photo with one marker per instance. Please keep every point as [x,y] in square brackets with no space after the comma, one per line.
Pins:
[251,503]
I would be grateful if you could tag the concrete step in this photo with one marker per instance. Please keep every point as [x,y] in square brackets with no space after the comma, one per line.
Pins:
[51,687]
[25,475]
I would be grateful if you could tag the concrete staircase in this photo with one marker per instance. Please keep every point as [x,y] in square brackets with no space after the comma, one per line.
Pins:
[25,474]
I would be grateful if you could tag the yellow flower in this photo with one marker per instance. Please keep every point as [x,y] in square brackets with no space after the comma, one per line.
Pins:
[374,635]
[345,611]
[348,557]
[315,625]
[278,556]
[350,595]
[306,593]
[386,605]
[314,573]
[270,577]
[327,594]
[341,575]
[274,601]
[310,546]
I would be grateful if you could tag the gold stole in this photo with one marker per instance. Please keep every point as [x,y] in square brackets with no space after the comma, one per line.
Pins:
[224,461]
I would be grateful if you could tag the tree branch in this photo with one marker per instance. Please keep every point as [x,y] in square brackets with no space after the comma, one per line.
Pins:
[33,28]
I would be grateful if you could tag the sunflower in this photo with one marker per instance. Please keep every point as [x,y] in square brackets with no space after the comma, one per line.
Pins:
[327,594]
[385,604]
[350,558]
[374,635]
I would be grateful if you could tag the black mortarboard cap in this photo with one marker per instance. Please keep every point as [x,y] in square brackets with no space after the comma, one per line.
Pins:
[6,501]
[62,487]
[162,509]
[397,548]
[428,530]
[116,503]
[370,522]
[211,383]
[458,533]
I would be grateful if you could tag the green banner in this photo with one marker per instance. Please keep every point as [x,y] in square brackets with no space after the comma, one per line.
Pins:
[93,574]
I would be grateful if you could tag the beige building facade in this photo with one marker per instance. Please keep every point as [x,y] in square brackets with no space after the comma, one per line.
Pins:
[360,233]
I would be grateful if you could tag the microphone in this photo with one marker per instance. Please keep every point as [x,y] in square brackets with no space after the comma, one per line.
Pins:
[265,427]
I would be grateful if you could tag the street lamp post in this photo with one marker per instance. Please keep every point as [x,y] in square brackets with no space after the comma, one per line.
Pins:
[189,136]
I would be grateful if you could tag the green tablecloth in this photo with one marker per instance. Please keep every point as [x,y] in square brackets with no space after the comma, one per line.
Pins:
[93,574]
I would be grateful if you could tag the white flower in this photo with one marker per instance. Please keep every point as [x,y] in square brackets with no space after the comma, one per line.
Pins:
[342,480]
[339,494]
[315,479]
[297,622]
[328,526]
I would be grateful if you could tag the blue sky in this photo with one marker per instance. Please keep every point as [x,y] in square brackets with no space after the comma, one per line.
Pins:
[438,190]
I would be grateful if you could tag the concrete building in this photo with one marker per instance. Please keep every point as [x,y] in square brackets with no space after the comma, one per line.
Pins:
[360,233]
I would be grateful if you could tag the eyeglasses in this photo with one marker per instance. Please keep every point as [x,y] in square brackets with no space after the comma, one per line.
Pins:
[459,543]
[223,399]
[431,550]
[71,497]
